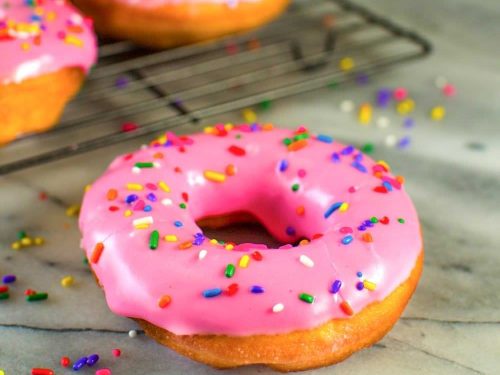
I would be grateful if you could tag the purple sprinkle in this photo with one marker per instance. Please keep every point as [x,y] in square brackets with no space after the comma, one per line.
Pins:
[290,231]
[362,79]
[347,150]
[383,97]
[254,127]
[121,82]
[7,279]
[78,365]
[360,285]
[92,360]
[198,239]
[335,157]
[131,198]
[408,122]
[368,223]
[362,228]
[360,167]
[151,197]
[358,157]
[256,289]
[337,284]
[283,165]
[404,142]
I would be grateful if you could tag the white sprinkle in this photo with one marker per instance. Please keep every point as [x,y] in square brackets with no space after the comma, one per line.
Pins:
[156,164]
[202,254]
[383,122]
[166,202]
[132,333]
[136,170]
[347,106]
[143,220]
[306,261]
[390,140]
[279,307]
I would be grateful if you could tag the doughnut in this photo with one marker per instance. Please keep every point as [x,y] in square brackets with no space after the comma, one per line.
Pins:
[168,23]
[46,49]
[350,259]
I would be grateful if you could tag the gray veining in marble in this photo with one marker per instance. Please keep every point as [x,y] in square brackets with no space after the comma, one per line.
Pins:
[452,324]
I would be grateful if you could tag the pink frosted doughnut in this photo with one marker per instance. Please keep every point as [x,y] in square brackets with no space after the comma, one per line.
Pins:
[138,224]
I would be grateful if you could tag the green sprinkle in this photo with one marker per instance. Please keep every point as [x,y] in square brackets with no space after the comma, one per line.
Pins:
[238,136]
[144,165]
[230,270]
[287,141]
[295,187]
[306,297]
[300,136]
[182,205]
[401,220]
[37,297]
[4,295]
[221,242]
[333,85]
[265,104]
[374,220]
[154,238]
[368,148]
[21,234]
[85,260]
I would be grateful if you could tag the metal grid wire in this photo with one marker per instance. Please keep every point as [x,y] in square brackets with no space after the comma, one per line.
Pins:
[168,89]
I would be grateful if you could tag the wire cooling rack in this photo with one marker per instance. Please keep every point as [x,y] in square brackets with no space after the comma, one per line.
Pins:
[163,90]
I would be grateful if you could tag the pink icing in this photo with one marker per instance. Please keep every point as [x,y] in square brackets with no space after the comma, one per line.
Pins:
[43,39]
[134,277]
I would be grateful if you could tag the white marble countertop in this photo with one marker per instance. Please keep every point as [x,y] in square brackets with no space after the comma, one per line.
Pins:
[452,324]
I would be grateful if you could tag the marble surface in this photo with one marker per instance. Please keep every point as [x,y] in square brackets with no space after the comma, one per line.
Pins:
[452,324]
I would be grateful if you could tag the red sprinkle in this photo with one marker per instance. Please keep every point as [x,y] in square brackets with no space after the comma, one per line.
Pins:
[384,220]
[346,308]
[257,256]
[231,290]
[129,127]
[380,189]
[113,208]
[65,361]
[29,292]
[316,236]
[42,371]
[4,288]
[236,150]
[116,352]
[185,197]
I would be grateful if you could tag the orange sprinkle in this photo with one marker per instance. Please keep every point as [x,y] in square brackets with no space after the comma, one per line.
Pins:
[112,194]
[75,29]
[400,179]
[346,308]
[300,210]
[378,174]
[268,127]
[303,242]
[96,254]
[367,237]
[164,301]
[230,170]
[185,245]
[158,155]
[295,146]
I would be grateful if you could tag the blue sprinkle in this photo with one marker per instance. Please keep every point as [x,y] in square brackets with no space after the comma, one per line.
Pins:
[324,138]
[347,150]
[178,223]
[283,165]
[359,274]
[337,284]
[408,122]
[257,289]
[78,365]
[148,208]
[131,198]
[347,239]
[387,185]
[8,279]
[334,207]
[404,142]
[151,197]
[358,157]
[335,157]
[92,360]
[210,293]
[360,285]
[360,167]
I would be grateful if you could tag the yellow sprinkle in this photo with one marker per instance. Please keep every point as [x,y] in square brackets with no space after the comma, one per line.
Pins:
[438,113]
[229,247]
[344,207]
[134,186]
[15,245]
[87,188]
[25,46]
[51,16]
[73,210]
[228,127]
[71,39]
[406,106]
[163,186]
[208,129]
[39,241]
[67,281]
[369,285]
[26,241]
[214,176]
[213,241]
[346,64]
[2,372]
[365,114]
[141,226]
[249,115]
[170,238]
[127,213]
[244,260]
